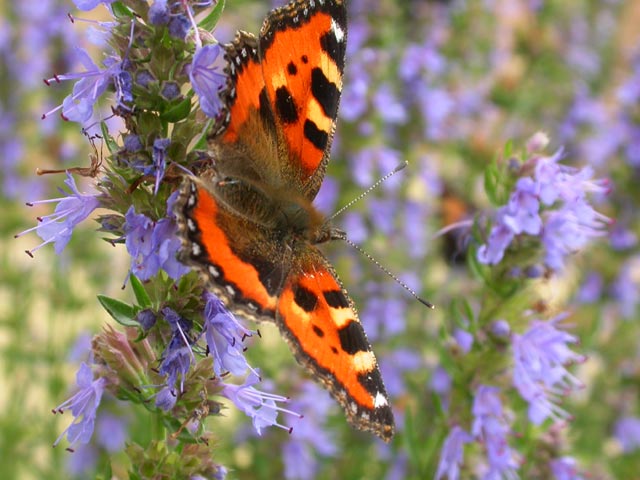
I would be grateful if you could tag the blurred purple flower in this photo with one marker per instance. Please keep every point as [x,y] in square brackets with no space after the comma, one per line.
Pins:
[626,287]
[83,405]
[393,367]
[464,339]
[591,288]
[71,210]
[565,468]
[491,428]
[622,238]
[501,328]
[627,432]
[83,461]
[260,406]
[452,453]
[207,78]
[224,336]
[90,4]
[308,433]
[540,356]
[111,432]
[159,13]
[386,102]
[521,214]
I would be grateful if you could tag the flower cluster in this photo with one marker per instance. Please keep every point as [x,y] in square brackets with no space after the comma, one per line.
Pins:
[551,204]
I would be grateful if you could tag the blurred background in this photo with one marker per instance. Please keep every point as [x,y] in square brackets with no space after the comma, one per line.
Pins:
[443,85]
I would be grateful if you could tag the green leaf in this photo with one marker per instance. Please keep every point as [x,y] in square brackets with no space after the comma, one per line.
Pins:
[201,144]
[491,183]
[177,112]
[140,292]
[119,9]
[123,313]
[210,21]
[112,145]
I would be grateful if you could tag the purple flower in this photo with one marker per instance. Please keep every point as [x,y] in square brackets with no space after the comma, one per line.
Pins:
[499,239]
[564,468]
[464,339]
[626,287]
[159,13]
[569,229]
[521,212]
[224,336]
[540,356]
[111,432]
[84,405]
[566,224]
[166,398]
[260,406]
[452,453]
[71,210]
[91,84]
[179,26]
[159,155]
[491,428]
[393,367]
[90,4]
[385,101]
[591,289]
[627,432]
[207,78]
[153,245]
[177,356]
[139,230]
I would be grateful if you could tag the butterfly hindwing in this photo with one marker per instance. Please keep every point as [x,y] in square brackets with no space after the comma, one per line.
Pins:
[220,244]
[321,324]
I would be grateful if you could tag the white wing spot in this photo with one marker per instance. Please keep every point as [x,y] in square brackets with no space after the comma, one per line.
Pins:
[190,225]
[380,401]
[191,201]
[196,250]
[230,290]
[214,271]
[337,31]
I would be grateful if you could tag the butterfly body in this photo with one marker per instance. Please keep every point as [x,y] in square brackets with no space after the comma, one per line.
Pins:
[249,225]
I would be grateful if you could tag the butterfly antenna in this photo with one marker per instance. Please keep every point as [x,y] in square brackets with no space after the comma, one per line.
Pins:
[380,181]
[398,281]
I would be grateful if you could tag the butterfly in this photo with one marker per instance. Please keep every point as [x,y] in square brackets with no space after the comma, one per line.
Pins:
[249,225]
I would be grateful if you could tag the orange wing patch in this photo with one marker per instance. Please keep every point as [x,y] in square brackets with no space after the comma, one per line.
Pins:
[302,61]
[209,248]
[244,85]
[323,329]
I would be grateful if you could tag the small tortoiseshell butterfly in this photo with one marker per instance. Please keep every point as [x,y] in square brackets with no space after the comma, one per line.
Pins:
[250,226]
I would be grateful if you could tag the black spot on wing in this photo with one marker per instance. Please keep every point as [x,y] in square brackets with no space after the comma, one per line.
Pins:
[334,350]
[292,69]
[304,59]
[336,299]
[334,48]
[325,92]
[305,299]
[318,331]
[352,339]
[319,138]
[372,382]
[286,107]
[265,109]
[271,275]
